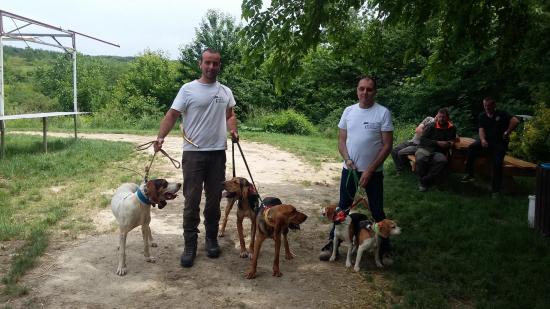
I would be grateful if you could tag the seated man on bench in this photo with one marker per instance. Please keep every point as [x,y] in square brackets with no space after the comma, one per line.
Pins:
[436,141]
[400,152]
[495,127]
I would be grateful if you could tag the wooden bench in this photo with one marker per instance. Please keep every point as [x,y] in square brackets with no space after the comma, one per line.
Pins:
[457,163]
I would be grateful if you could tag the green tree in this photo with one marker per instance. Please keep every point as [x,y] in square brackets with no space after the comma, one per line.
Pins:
[56,81]
[147,88]
[218,31]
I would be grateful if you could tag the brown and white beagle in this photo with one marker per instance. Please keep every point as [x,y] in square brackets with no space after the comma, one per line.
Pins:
[355,229]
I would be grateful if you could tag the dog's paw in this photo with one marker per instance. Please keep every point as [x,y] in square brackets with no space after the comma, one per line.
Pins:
[121,271]
[220,234]
[250,275]
[277,272]
[154,244]
[332,258]
[356,268]
[379,265]
[244,254]
[387,260]
[348,264]
[290,255]
[150,259]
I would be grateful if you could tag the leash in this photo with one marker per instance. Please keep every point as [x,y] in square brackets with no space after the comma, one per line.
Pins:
[361,200]
[358,191]
[129,169]
[144,146]
[245,163]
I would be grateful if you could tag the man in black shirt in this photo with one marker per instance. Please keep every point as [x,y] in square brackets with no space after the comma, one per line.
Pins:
[495,127]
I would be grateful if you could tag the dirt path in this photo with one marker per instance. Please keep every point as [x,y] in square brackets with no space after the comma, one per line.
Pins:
[81,273]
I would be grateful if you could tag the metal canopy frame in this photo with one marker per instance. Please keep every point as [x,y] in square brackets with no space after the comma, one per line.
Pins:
[14,27]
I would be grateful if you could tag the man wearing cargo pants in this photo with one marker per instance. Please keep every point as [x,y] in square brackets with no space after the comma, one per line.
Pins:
[207,109]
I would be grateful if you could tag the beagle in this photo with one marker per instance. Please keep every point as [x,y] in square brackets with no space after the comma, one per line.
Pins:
[272,221]
[131,205]
[370,236]
[239,190]
[354,228]
[346,229]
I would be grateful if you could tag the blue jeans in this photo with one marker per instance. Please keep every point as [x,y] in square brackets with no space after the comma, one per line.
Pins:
[375,193]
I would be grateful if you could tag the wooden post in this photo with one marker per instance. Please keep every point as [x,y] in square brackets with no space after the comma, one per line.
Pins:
[44,130]
[2,141]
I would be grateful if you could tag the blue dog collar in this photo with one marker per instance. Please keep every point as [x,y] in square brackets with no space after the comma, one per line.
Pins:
[142,198]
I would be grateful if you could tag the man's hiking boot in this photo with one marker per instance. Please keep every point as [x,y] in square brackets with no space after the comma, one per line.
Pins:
[212,247]
[467,178]
[326,251]
[188,255]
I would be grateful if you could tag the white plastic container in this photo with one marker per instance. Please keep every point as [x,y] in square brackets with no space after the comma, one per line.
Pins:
[531,211]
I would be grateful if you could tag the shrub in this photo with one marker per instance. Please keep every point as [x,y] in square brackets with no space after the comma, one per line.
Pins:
[329,125]
[533,143]
[288,121]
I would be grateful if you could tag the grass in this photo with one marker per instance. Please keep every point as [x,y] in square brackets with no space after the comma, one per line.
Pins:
[32,211]
[312,148]
[459,246]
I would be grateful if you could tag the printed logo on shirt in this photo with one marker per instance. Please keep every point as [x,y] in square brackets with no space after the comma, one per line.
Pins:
[372,125]
[218,99]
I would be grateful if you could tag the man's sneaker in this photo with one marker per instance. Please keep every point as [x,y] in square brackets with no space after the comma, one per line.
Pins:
[326,251]
[467,178]
[188,256]
[422,188]
[212,247]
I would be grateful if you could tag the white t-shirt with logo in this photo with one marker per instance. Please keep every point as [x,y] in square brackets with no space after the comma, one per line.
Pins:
[364,128]
[203,109]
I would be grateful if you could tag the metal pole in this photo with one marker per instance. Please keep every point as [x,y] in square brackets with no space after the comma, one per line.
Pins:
[2,128]
[44,136]
[75,94]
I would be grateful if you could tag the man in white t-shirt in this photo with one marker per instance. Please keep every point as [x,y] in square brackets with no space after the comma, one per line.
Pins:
[207,109]
[364,141]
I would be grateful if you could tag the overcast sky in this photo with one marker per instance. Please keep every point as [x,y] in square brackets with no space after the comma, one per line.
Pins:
[133,24]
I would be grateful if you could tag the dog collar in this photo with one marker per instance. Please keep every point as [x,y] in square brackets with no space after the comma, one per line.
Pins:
[339,217]
[142,198]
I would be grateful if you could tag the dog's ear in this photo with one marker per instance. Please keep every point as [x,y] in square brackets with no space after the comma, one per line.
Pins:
[152,191]
[244,185]
[384,228]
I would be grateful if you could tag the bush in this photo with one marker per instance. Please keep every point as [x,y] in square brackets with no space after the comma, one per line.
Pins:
[533,143]
[288,122]
[329,125]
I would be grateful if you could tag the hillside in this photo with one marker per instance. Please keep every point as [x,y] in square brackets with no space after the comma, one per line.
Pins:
[30,73]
